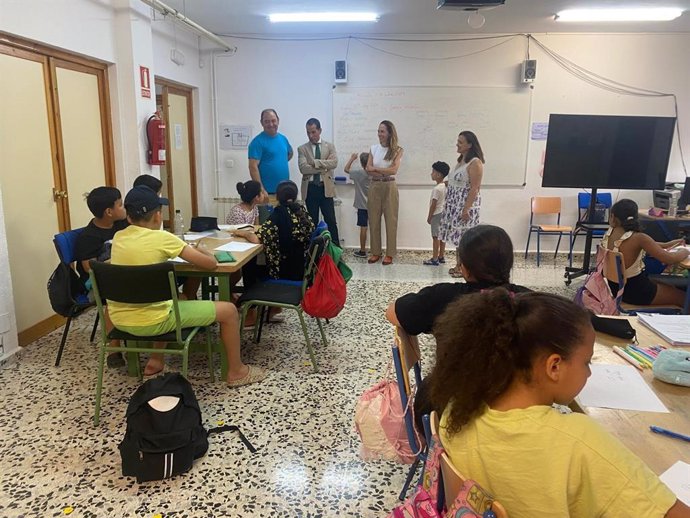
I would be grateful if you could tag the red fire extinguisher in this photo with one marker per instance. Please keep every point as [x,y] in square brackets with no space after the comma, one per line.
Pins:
[155,133]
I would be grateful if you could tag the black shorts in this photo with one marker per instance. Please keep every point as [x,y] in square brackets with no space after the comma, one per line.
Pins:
[639,290]
[362,218]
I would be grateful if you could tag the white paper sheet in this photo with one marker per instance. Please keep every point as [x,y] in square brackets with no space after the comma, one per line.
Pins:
[177,259]
[236,246]
[621,387]
[236,227]
[198,235]
[677,478]
[674,328]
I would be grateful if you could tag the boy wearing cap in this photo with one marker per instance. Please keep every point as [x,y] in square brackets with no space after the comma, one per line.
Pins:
[143,243]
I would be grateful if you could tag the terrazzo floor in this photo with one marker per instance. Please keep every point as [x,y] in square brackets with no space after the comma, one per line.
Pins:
[53,460]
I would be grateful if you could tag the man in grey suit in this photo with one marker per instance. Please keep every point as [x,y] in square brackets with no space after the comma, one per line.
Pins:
[317,159]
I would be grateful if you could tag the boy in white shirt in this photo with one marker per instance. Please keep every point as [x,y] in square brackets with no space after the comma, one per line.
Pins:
[439,171]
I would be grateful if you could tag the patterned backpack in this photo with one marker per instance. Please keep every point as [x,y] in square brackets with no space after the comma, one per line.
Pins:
[595,294]
[472,501]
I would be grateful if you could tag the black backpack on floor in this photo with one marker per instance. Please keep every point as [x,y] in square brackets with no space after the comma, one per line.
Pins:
[162,444]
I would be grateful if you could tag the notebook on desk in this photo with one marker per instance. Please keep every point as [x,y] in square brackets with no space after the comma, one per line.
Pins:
[675,329]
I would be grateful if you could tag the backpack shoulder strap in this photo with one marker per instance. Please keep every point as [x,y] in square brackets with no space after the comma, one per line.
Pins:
[232,428]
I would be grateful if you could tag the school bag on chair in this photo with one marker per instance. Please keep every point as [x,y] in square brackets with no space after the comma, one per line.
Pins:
[325,298]
[595,294]
[164,433]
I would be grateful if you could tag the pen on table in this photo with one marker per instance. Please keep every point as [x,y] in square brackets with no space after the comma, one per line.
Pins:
[638,357]
[620,352]
[664,431]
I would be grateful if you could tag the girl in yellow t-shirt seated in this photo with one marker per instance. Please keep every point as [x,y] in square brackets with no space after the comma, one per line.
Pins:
[499,370]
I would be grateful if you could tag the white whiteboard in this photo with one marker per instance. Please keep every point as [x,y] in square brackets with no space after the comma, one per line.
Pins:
[428,120]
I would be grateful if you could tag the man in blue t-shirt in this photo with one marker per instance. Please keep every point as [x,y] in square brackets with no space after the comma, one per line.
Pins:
[269,153]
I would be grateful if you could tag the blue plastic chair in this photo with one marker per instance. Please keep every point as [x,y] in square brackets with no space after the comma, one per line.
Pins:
[583,200]
[64,245]
[406,356]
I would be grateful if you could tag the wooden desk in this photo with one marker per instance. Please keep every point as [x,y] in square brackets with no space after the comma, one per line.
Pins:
[632,428]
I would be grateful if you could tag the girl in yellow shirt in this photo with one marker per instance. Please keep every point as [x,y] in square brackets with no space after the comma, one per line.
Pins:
[499,370]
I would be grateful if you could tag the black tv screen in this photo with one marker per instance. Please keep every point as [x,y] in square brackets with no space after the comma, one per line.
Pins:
[607,151]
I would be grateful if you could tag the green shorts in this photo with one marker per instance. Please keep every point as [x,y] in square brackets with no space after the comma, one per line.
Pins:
[192,313]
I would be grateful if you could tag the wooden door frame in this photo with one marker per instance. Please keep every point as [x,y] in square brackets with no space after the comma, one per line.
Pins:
[51,59]
[187,92]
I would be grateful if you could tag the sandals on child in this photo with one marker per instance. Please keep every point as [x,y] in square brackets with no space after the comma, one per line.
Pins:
[456,273]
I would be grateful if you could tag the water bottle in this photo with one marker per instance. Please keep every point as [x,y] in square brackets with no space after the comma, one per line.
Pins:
[178,224]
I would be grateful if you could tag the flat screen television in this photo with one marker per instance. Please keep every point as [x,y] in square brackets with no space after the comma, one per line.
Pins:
[607,151]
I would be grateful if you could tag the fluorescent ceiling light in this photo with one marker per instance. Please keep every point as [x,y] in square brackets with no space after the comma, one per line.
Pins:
[323,17]
[632,14]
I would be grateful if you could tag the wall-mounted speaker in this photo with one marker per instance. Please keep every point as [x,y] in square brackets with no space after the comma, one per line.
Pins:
[529,71]
[341,71]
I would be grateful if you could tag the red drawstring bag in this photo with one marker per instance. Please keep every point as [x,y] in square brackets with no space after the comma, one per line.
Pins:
[326,296]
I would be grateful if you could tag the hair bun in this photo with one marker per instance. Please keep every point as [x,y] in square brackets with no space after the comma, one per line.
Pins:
[240,187]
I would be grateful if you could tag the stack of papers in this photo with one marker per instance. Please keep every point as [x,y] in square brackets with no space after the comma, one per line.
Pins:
[235,227]
[675,329]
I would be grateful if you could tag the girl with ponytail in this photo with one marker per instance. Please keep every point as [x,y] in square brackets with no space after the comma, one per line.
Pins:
[624,236]
[246,212]
[499,369]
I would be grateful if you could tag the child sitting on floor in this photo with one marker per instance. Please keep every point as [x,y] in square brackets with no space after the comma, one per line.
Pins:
[499,370]
[143,243]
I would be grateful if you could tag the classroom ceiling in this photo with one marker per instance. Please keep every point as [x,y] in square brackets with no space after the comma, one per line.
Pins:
[234,17]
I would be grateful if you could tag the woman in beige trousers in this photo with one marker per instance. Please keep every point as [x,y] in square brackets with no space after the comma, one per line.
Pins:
[382,166]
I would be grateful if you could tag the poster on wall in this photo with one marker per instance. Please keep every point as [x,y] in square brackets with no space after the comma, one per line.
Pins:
[233,136]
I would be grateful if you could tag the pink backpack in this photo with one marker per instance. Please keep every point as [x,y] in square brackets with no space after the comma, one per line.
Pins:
[380,423]
[471,502]
[595,294]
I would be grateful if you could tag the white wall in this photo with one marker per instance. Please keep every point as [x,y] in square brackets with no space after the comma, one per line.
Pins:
[296,78]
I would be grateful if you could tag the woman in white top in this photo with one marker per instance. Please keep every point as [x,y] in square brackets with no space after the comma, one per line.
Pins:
[625,237]
[382,166]
[463,200]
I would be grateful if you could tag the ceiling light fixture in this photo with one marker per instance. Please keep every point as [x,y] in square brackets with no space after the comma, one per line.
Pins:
[323,17]
[633,14]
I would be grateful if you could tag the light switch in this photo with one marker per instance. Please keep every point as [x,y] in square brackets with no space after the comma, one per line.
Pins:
[229,163]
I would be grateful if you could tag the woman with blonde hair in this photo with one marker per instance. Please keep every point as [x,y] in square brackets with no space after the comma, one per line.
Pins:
[382,166]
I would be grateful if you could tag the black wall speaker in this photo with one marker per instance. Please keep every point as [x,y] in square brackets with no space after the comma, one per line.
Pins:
[341,71]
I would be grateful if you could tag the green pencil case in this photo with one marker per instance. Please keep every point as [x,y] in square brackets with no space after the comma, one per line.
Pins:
[224,257]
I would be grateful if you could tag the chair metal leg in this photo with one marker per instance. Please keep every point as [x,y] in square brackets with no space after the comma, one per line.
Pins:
[558,245]
[306,337]
[529,235]
[323,334]
[259,322]
[538,247]
[408,479]
[185,361]
[570,255]
[93,330]
[209,350]
[99,385]
[62,342]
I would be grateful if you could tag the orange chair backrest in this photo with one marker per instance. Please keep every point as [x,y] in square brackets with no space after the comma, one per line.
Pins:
[546,205]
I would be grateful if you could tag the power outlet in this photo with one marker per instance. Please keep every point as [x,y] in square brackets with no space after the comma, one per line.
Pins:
[4,323]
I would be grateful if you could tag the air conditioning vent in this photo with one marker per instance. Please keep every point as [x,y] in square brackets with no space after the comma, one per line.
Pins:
[468,5]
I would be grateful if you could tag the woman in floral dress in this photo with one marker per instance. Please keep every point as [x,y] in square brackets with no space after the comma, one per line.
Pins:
[463,200]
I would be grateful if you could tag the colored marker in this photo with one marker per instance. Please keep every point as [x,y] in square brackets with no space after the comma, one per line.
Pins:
[669,433]
[620,352]
[638,357]
[646,355]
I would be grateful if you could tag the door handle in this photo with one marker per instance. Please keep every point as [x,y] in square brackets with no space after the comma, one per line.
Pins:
[57,194]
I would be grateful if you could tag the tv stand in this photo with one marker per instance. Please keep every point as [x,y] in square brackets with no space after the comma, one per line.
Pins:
[589,226]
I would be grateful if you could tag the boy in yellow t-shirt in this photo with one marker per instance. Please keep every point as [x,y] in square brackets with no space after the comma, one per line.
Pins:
[143,243]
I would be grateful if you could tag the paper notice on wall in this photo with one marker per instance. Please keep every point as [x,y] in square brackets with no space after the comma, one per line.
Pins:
[178,136]
[540,130]
[235,136]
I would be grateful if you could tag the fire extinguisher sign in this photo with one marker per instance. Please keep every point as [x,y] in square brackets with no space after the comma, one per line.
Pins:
[145,80]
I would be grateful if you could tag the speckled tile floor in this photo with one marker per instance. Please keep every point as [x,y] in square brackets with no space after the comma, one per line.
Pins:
[307,464]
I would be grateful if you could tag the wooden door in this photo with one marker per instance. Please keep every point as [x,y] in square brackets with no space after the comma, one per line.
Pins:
[180,172]
[55,146]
